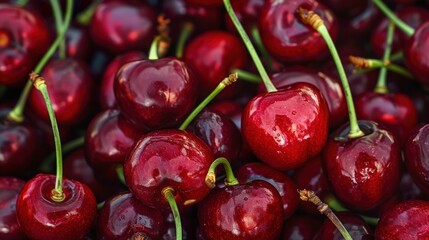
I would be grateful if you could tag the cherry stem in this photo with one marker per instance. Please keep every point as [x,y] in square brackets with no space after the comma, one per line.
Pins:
[310,196]
[22,2]
[185,33]
[66,148]
[247,76]
[257,39]
[381,82]
[58,15]
[230,179]
[39,84]
[265,79]
[153,51]
[407,29]
[168,193]
[85,16]
[120,173]
[316,22]
[161,43]
[17,113]
[397,56]
[371,63]
[224,83]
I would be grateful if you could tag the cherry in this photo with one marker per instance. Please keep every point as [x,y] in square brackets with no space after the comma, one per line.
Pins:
[251,210]
[78,42]
[24,38]
[71,87]
[189,223]
[155,94]
[406,220]
[119,26]
[284,185]
[346,8]
[41,217]
[124,217]
[247,12]
[222,53]
[292,124]
[205,2]
[9,226]
[107,95]
[286,38]
[300,227]
[230,109]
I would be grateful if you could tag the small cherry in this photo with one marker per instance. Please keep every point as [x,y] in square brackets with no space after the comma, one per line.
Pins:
[9,190]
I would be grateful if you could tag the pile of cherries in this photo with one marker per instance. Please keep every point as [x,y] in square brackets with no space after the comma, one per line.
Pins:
[146,98]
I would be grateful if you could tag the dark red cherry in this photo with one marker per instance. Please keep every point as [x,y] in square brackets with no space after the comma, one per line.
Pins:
[395,111]
[43,218]
[251,210]
[108,140]
[364,171]
[406,220]
[416,155]
[230,109]
[78,42]
[124,217]
[353,223]
[247,12]
[222,53]
[408,189]
[24,38]
[156,93]
[119,26]
[9,190]
[415,58]
[284,185]
[205,2]
[288,39]
[346,8]
[107,93]
[300,227]
[70,88]
[168,158]
[189,221]
[286,128]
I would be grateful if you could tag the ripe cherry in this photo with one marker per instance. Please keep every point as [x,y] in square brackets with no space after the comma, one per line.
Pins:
[9,190]
[353,223]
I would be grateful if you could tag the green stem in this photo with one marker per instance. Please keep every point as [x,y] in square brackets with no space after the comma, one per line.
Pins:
[17,113]
[153,51]
[397,56]
[66,148]
[355,131]
[247,76]
[185,33]
[377,63]
[336,206]
[100,205]
[224,83]
[230,179]
[409,31]
[381,83]
[257,39]
[57,194]
[58,15]
[168,193]
[267,82]
[85,16]
[120,173]
[22,2]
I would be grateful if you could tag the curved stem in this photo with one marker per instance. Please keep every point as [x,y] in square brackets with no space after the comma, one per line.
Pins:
[85,16]
[230,179]
[58,15]
[247,76]
[168,193]
[17,113]
[381,83]
[185,33]
[39,83]
[153,51]
[267,82]
[409,31]
[224,83]
[257,39]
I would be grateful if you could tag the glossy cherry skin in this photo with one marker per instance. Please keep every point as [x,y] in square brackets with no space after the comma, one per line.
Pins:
[418,62]
[416,155]
[222,52]
[123,217]
[156,94]
[292,124]
[70,87]
[230,109]
[219,133]
[42,218]
[354,224]
[284,185]
[251,210]
[395,111]
[288,39]
[300,227]
[247,11]
[78,42]
[9,190]
[107,94]
[365,171]
[406,220]
[168,158]
[24,38]
[108,140]
[346,8]
[119,26]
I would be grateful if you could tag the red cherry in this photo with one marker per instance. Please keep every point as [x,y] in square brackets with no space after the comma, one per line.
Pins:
[300,227]
[346,8]
[286,37]
[415,58]
[120,26]
[249,211]
[247,12]
[205,2]
[9,191]
[24,38]
[43,218]
[363,171]
[78,42]
[292,124]
[156,93]
[354,224]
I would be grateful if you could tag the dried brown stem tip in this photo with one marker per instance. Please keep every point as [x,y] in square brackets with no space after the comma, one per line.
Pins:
[310,196]
[163,28]
[232,78]
[36,79]
[310,17]
[359,62]
[211,180]
[140,236]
